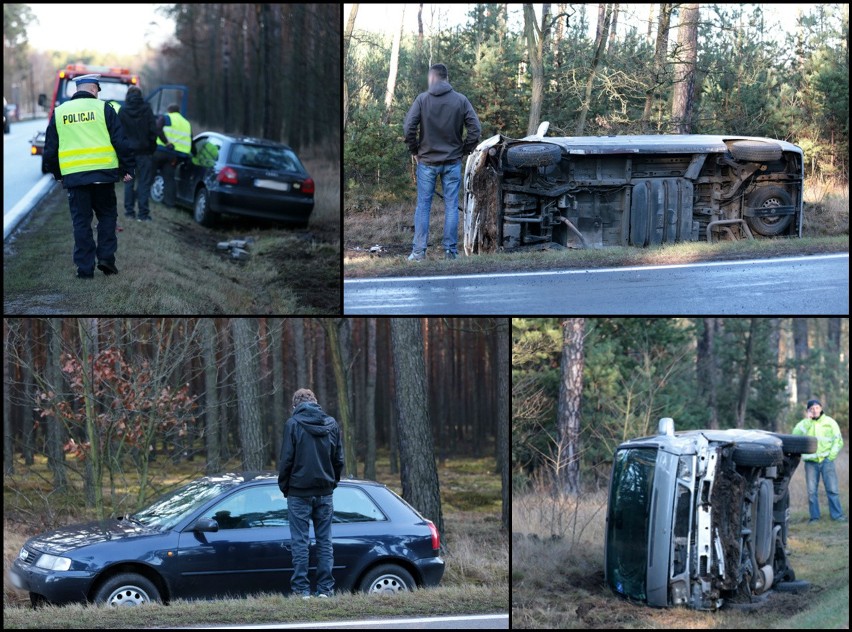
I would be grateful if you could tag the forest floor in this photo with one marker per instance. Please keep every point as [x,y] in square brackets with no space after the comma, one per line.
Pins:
[558,575]
[825,230]
[475,551]
[171,265]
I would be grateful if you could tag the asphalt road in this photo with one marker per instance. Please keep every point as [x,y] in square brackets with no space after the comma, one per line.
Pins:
[816,284]
[468,622]
[21,171]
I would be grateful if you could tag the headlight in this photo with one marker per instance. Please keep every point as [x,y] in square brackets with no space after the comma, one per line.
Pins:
[53,563]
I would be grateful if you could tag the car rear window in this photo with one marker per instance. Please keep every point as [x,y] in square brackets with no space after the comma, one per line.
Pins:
[264,157]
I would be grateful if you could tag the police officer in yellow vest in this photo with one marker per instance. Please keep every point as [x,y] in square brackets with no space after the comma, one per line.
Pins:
[174,148]
[85,148]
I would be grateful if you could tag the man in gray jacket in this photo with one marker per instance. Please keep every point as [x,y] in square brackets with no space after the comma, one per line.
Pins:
[441,114]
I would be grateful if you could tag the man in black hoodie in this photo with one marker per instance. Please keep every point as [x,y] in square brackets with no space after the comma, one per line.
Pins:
[140,127]
[309,470]
[441,114]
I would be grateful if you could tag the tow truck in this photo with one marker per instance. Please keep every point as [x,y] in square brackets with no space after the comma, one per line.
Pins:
[114,84]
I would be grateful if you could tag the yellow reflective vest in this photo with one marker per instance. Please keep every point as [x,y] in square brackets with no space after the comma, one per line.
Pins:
[84,142]
[179,133]
[827,433]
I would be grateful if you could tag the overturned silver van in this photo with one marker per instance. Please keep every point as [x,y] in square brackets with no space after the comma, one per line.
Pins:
[598,191]
[700,517]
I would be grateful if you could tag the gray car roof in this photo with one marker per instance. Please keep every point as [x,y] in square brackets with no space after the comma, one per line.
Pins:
[665,143]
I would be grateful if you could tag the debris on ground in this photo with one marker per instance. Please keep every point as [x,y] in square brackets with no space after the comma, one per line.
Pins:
[238,249]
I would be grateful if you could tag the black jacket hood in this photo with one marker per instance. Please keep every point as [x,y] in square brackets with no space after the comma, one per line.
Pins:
[313,419]
[135,104]
[439,88]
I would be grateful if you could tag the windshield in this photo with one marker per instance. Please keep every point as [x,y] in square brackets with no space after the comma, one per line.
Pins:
[110,90]
[167,511]
[264,157]
[627,523]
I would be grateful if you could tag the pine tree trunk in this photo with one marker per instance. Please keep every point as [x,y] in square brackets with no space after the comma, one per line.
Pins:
[298,328]
[568,409]
[707,369]
[248,398]
[419,474]
[833,355]
[660,51]
[800,345]
[8,437]
[612,34]
[504,342]
[28,385]
[600,46]
[55,428]
[745,378]
[211,396]
[394,66]
[343,416]
[684,76]
[370,420]
[279,400]
[535,46]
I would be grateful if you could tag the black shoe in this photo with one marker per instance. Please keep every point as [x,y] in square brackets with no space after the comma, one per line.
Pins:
[449,254]
[130,215]
[83,275]
[841,519]
[143,219]
[107,268]
[812,520]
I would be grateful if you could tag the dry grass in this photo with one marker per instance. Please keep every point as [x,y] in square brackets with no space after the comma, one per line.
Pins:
[826,207]
[326,175]
[558,577]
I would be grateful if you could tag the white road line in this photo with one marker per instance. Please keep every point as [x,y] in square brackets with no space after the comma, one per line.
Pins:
[371,622]
[493,275]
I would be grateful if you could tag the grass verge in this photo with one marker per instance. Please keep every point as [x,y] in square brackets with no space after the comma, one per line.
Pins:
[171,266]
[361,265]
[558,575]
[447,600]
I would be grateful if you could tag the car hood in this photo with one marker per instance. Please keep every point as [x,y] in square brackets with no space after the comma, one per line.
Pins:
[78,536]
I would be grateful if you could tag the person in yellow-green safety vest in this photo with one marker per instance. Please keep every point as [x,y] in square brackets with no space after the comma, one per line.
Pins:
[174,147]
[86,149]
[829,442]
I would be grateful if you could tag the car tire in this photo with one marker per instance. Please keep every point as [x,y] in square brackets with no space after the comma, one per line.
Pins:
[533,155]
[127,589]
[797,444]
[757,455]
[201,209]
[387,579]
[767,197]
[797,586]
[158,189]
[755,150]
[763,540]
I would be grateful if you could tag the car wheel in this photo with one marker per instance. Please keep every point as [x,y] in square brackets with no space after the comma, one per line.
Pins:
[202,213]
[797,444]
[768,197]
[796,586]
[387,579]
[157,188]
[533,155]
[127,589]
[763,540]
[757,455]
[755,150]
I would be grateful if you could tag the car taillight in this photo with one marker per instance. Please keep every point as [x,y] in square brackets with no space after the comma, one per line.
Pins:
[227,176]
[436,538]
[308,186]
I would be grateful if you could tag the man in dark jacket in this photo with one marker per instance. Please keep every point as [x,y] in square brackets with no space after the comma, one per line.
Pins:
[441,114]
[140,127]
[85,148]
[309,470]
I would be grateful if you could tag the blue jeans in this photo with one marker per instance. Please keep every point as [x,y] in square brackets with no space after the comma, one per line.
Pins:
[829,478]
[319,509]
[427,177]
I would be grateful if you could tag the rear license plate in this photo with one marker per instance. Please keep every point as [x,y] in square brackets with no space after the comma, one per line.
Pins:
[272,184]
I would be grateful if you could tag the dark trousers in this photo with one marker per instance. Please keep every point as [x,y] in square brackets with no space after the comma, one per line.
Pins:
[318,509]
[138,189]
[163,161]
[84,201]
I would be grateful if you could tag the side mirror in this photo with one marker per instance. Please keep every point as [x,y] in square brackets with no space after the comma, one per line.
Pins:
[42,99]
[207,525]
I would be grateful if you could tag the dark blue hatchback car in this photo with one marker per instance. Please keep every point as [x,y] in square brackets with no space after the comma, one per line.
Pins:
[228,535]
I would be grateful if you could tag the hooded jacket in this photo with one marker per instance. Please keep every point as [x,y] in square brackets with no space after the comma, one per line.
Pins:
[311,453]
[139,124]
[126,159]
[827,433]
[442,114]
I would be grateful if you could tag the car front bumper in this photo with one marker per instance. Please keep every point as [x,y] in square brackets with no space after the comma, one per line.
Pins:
[57,587]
